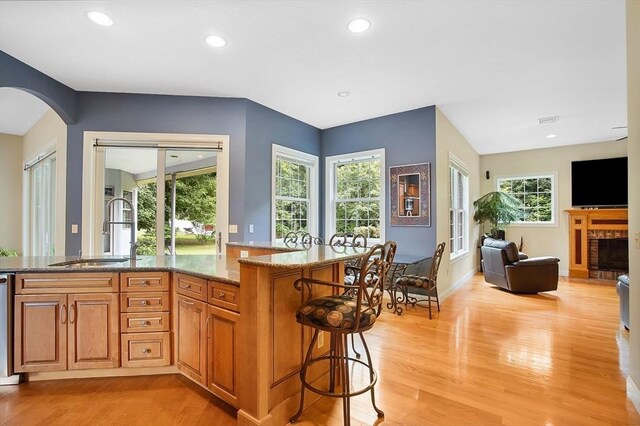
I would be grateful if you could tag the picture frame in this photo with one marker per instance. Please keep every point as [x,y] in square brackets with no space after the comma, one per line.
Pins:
[410,194]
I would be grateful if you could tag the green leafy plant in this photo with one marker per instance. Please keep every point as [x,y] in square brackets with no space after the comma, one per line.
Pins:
[498,209]
[7,252]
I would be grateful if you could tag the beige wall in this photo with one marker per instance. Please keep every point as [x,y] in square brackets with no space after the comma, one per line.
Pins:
[450,141]
[11,192]
[546,240]
[48,133]
[633,111]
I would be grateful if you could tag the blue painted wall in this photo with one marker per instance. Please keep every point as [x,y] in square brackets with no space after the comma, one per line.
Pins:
[408,138]
[17,74]
[264,128]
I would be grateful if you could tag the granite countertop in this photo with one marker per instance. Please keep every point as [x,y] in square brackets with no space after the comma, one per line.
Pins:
[278,245]
[315,255]
[214,267]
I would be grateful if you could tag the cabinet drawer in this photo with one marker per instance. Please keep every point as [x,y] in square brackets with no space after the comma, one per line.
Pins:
[144,281]
[191,286]
[140,322]
[224,295]
[146,349]
[70,282]
[144,302]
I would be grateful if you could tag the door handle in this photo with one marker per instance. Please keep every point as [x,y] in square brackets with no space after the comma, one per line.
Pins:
[72,318]
[63,314]
[219,242]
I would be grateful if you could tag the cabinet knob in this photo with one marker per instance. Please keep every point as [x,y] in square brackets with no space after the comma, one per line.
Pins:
[145,323]
[146,351]
[187,286]
[145,282]
[144,302]
[221,295]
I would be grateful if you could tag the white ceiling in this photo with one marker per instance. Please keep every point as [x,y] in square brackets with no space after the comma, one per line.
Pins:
[19,111]
[493,67]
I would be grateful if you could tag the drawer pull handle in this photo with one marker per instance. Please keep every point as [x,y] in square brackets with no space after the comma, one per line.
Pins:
[186,302]
[145,323]
[187,286]
[146,351]
[221,295]
[144,302]
[145,283]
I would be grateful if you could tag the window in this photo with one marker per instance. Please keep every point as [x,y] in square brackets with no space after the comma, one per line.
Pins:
[295,182]
[536,193]
[42,207]
[458,209]
[355,184]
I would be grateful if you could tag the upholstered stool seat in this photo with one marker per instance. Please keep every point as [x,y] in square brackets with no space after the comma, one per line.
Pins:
[414,281]
[331,312]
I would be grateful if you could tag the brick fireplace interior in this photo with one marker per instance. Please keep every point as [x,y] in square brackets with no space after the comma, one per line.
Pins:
[608,254]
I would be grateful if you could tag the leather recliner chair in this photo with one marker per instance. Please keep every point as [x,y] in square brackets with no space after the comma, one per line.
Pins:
[507,268]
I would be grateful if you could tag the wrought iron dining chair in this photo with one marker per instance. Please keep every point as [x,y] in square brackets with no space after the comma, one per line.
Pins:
[429,283]
[346,312]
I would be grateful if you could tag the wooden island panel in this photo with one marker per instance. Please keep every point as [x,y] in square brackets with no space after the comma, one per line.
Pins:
[272,343]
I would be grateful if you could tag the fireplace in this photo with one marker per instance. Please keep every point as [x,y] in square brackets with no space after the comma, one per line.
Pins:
[608,257]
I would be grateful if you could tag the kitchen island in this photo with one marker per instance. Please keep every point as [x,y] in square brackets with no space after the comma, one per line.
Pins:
[226,323]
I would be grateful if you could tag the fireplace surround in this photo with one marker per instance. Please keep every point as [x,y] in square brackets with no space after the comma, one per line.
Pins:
[589,229]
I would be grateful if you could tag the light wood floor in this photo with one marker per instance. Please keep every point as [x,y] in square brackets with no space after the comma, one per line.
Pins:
[489,358]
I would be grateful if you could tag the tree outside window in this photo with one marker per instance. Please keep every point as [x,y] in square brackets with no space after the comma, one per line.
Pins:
[535,193]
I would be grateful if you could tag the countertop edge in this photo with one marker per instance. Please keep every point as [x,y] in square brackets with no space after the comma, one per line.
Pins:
[40,270]
[257,261]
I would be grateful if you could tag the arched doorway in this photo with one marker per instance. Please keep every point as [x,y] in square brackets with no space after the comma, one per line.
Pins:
[33,142]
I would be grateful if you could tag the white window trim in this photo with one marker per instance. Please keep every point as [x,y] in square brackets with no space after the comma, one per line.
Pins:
[93,183]
[297,156]
[554,199]
[330,162]
[462,167]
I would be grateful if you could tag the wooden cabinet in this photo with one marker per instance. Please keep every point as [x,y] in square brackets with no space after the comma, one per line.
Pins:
[145,319]
[222,353]
[206,334]
[56,332]
[40,333]
[191,337]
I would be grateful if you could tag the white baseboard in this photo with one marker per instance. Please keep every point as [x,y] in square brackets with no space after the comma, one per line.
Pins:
[633,393]
[456,285]
[563,272]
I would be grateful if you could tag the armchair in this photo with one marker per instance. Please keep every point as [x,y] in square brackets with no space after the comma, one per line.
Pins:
[507,268]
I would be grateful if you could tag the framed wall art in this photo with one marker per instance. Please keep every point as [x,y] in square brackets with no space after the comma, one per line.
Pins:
[410,195]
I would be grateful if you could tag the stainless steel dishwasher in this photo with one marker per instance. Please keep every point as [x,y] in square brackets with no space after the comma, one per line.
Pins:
[6,332]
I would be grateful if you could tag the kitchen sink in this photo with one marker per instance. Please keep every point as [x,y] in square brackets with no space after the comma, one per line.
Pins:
[82,263]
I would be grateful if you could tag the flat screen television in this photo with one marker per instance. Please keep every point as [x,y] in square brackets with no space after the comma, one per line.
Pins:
[599,183]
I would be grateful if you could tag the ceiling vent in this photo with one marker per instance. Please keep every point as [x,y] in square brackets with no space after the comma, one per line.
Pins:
[549,120]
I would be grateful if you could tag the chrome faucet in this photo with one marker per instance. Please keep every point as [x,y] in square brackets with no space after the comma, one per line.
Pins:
[106,225]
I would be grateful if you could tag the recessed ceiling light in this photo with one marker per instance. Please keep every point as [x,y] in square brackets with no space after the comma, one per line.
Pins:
[100,18]
[551,136]
[359,25]
[215,41]
[343,94]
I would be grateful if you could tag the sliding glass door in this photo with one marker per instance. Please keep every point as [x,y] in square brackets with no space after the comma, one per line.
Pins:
[172,195]
[41,177]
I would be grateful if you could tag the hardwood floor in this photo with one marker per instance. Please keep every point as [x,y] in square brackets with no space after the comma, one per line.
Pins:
[489,358]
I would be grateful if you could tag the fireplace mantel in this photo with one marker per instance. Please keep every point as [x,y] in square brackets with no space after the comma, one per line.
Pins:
[581,222]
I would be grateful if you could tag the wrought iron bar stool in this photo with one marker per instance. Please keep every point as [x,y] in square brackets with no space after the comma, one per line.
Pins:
[429,283]
[349,311]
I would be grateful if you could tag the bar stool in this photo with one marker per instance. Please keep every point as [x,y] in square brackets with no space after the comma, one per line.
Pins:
[350,310]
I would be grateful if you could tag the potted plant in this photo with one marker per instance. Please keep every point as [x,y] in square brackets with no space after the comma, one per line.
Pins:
[499,209]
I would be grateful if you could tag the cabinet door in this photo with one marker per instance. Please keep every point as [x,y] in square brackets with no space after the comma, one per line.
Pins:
[93,331]
[40,333]
[222,353]
[191,337]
